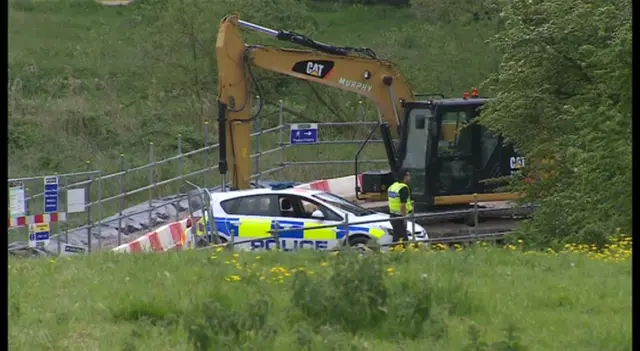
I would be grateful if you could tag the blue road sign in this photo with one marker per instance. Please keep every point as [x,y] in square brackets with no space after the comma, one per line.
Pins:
[303,134]
[50,194]
[42,236]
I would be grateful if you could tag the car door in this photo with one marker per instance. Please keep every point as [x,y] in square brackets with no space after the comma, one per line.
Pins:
[295,213]
[251,217]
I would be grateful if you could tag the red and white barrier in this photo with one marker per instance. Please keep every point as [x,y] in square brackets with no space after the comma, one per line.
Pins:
[165,238]
[37,219]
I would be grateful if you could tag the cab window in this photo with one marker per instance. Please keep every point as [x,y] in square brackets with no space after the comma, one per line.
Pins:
[295,206]
[417,139]
[257,205]
[455,136]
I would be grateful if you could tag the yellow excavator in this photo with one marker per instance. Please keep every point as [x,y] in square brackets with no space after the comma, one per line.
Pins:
[448,157]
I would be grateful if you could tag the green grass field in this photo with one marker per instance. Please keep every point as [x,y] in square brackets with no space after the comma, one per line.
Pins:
[412,300]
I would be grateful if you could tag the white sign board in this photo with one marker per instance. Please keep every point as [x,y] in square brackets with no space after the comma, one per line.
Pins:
[70,250]
[16,199]
[75,200]
[39,235]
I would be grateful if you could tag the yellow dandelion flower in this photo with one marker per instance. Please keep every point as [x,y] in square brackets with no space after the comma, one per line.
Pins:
[233,278]
[258,257]
[324,264]
[390,269]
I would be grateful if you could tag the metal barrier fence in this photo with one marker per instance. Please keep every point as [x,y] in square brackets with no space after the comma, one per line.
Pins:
[475,212]
[111,193]
[62,202]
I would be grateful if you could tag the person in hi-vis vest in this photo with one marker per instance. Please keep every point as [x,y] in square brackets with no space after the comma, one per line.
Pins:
[400,204]
[199,234]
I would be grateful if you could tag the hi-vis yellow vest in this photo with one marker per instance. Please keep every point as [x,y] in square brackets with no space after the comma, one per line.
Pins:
[198,229]
[393,195]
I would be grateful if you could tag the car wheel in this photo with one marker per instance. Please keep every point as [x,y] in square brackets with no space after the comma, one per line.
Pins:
[360,243]
[204,241]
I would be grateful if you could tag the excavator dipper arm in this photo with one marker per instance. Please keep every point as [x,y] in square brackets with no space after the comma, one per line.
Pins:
[341,68]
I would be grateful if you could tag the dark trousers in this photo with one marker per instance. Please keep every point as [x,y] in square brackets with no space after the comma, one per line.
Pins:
[399,229]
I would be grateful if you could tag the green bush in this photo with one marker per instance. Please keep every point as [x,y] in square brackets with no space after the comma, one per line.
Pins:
[228,327]
[355,283]
[357,297]
[564,94]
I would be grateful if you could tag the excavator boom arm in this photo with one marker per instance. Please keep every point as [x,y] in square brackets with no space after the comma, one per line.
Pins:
[375,79]
[360,75]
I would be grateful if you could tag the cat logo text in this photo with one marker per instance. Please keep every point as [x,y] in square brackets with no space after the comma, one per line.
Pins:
[314,69]
[317,69]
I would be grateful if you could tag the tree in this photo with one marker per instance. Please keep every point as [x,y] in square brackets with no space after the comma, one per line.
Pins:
[563,93]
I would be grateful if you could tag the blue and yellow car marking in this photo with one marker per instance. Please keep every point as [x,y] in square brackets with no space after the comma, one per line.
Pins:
[247,228]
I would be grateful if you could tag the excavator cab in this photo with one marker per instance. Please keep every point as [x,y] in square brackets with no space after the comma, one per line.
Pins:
[449,157]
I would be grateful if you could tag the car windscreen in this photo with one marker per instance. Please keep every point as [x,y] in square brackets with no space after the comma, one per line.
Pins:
[343,204]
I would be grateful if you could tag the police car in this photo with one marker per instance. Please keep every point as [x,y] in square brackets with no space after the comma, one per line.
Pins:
[252,214]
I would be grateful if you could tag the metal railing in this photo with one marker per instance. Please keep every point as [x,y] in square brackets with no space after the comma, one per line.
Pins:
[100,186]
[61,194]
[346,224]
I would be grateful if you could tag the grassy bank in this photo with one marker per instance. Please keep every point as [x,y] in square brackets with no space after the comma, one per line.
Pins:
[435,299]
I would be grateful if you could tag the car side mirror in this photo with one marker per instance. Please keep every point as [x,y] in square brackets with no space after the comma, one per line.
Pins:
[317,214]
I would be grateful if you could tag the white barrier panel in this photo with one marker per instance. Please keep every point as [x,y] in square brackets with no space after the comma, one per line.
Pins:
[344,186]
